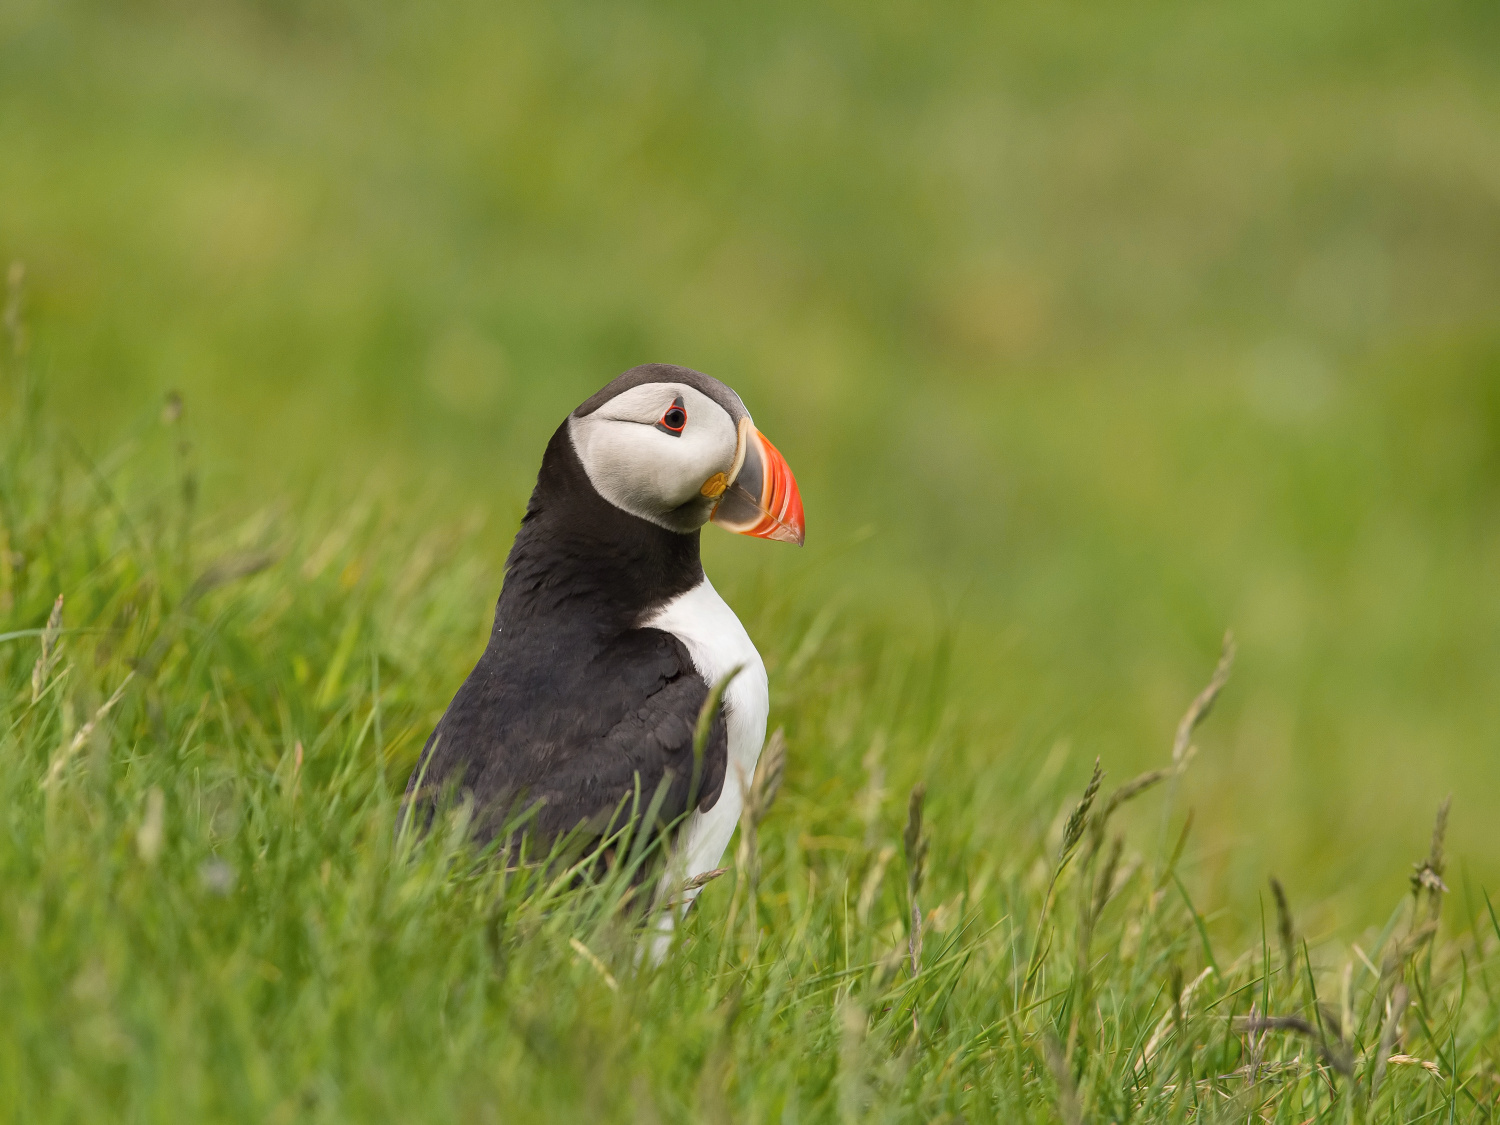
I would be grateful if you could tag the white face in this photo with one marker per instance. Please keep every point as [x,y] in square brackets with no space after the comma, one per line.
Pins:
[644,468]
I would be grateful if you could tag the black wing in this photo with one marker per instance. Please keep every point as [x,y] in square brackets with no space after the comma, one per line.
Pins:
[565,725]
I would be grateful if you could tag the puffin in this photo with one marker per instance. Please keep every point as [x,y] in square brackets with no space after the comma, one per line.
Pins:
[608,637]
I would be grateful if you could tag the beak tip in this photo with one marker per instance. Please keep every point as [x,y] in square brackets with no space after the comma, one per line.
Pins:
[764,501]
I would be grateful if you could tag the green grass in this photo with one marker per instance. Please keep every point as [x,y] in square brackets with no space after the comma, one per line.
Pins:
[209,916]
[1090,331]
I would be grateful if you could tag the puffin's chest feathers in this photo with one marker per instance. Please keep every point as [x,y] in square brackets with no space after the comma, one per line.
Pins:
[719,646]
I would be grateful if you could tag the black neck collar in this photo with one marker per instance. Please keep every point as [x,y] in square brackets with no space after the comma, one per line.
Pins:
[579,558]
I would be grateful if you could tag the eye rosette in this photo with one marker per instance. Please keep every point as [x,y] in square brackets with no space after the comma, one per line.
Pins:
[674,418]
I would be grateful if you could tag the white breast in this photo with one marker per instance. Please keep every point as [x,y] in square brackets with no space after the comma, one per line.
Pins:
[718,644]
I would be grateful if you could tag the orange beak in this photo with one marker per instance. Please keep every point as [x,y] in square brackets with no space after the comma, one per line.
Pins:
[761,496]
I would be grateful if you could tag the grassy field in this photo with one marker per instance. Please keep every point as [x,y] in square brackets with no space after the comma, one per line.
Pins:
[1090,332]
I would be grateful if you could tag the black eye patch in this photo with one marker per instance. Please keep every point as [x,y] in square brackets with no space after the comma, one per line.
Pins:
[674,419]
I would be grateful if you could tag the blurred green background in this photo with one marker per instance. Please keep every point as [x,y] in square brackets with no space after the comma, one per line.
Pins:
[1090,330]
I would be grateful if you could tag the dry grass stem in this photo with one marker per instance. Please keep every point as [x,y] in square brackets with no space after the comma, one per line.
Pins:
[1333,1052]
[42,669]
[594,963]
[1388,1035]
[1198,710]
[297,755]
[65,754]
[1165,1024]
[1256,1025]
[871,885]
[1105,882]
[1284,926]
[227,569]
[916,858]
[1132,789]
[768,773]
[1428,875]
[758,797]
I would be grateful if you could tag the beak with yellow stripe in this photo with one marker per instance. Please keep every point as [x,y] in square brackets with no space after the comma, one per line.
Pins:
[758,496]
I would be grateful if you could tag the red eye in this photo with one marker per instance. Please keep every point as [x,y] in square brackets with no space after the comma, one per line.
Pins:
[674,419]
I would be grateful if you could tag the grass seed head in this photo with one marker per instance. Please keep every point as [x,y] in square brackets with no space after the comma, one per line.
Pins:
[43,666]
[1182,748]
[916,857]
[1284,925]
[1428,1065]
[871,885]
[703,879]
[66,753]
[1073,832]
[768,774]
[1428,875]
[914,838]
[1104,885]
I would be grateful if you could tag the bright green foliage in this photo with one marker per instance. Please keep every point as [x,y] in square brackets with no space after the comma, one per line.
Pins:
[1090,330]
[209,916]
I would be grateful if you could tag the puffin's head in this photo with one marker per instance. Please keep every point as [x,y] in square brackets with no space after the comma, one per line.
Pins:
[677,448]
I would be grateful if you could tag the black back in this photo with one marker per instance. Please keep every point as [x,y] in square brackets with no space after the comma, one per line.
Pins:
[572,701]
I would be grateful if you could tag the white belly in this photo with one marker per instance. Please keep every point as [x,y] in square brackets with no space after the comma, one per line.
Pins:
[718,644]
